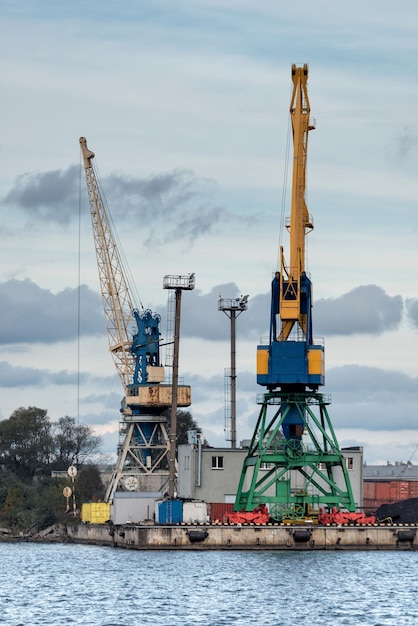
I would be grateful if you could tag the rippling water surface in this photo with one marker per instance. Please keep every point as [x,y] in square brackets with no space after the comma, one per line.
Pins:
[98,586]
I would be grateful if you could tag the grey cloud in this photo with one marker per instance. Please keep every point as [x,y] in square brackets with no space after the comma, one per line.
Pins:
[411,308]
[168,206]
[367,309]
[190,226]
[407,141]
[255,322]
[30,314]
[15,376]
[372,398]
[51,196]
[201,318]
[385,414]
[370,381]
[204,388]
[172,205]
[110,411]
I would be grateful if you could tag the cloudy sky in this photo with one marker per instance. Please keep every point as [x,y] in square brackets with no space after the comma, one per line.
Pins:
[185,105]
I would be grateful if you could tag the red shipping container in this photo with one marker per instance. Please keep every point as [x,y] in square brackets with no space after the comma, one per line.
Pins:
[394,491]
[404,489]
[220,510]
[399,490]
[413,489]
[369,490]
[382,493]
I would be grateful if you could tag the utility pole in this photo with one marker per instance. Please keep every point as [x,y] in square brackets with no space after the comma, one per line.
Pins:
[178,284]
[232,308]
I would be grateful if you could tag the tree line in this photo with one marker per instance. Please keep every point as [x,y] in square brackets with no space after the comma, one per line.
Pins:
[32,447]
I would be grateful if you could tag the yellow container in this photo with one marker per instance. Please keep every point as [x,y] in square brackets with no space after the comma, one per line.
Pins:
[95,512]
[86,512]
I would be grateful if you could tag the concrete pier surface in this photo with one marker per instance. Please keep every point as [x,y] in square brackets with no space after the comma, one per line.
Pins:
[247,537]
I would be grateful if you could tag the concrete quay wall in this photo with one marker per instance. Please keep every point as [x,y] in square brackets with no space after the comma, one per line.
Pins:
[225,537]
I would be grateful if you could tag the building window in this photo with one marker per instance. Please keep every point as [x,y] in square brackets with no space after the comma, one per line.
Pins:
[186,463]
[217,462]
[350,463]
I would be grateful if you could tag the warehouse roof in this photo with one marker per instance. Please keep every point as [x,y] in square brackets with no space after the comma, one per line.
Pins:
[391,471]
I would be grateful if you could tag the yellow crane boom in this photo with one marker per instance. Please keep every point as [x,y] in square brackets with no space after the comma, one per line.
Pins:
[300,221]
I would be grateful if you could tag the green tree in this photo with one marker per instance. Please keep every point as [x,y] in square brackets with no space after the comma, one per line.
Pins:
[89,485]
[17,511]
[11,496]
[30,447]
[185,422]
[26,444]
[50,505]
[73,443]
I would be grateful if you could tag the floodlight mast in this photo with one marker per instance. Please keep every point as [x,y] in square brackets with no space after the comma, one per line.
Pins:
[233,307]
[178,284]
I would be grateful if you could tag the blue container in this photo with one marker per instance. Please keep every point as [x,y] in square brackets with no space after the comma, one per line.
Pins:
[170,512]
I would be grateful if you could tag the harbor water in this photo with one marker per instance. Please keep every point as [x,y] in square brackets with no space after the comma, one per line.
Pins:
[55,584]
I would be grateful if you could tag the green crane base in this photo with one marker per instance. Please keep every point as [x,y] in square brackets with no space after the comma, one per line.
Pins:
[295,477]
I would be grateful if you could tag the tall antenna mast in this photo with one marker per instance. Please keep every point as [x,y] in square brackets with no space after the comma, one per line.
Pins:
[232,307]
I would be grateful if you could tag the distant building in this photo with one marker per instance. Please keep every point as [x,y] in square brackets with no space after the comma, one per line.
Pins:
[385,484]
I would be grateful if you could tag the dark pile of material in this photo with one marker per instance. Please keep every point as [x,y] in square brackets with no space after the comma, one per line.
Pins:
[403,512]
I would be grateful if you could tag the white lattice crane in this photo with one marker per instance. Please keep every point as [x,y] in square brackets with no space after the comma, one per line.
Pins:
[116,300]
[134,342]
